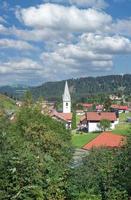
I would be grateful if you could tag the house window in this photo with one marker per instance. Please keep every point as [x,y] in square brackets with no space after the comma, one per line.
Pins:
[66,104]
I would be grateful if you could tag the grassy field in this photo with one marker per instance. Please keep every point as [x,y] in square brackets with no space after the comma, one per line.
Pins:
[7,103]
[123,116]
[123,128]
[79,140]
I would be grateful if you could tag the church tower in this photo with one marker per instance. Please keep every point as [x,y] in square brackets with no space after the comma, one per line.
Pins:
[66,100]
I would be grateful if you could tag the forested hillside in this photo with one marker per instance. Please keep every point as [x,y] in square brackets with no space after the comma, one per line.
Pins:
[13,91]
[82,87]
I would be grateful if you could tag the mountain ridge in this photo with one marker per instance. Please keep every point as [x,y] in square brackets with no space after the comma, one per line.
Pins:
[79,87]
[82,87]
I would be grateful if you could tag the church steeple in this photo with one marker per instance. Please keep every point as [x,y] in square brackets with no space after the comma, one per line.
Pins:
[66,100]
[66,95]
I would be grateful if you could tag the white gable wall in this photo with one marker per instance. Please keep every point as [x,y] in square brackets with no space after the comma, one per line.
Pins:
[93,126]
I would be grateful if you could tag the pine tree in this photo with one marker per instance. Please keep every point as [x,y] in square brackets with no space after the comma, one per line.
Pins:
[74,120]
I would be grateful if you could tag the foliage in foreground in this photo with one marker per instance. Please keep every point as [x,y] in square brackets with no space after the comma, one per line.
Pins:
[34,158]
[104,175]
[35,153]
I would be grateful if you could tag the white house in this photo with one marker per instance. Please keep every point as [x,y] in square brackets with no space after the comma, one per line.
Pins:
[120,108]
[92,120]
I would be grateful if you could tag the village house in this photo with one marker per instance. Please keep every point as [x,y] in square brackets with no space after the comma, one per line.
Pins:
[99,108]
[120,108]
[86,106]
[63,117]
[91,120]
[80,112]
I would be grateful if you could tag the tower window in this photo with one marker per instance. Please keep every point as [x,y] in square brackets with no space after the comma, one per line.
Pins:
[66,104]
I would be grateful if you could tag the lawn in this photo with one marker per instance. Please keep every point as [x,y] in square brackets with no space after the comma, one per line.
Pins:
[123,128]
[123,116]
[79,140]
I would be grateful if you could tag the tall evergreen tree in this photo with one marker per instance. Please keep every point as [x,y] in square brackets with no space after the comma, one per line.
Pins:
[74,120]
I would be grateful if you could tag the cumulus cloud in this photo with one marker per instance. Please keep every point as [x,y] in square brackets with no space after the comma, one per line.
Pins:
[122,26]
[77,40]
[58,17]
[19,66]
[2,19]
[2,29]
[41,34]
[92,53]
[22,70]
[99,4]
[106,44]
[15,44]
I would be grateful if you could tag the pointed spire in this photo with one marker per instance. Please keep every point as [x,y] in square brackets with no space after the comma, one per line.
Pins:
[66,95]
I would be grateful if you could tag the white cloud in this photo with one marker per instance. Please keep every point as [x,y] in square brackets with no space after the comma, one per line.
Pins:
[58,17]
[122,26]
[23,70]
[92,53]
[2,19]
[15,44]
[102,64]
[106,44]
[19,66]
[73,41]
[2,29]
[99,4]
[41,34]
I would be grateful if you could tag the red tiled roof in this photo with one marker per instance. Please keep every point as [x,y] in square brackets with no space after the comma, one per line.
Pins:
[106,139]
[119,107]
[63,116]
[96,116]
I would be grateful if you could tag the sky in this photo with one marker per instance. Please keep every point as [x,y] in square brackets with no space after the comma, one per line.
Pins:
[49,40]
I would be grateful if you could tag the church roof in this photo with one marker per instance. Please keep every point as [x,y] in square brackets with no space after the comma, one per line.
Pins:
[66,95]
[62,116]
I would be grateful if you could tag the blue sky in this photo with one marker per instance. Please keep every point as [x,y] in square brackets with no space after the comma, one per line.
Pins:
[42,40]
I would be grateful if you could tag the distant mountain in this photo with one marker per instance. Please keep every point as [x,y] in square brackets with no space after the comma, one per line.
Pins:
[13,91]
[82,87]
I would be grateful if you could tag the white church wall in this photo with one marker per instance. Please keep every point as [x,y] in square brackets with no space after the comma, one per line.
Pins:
[66,107]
